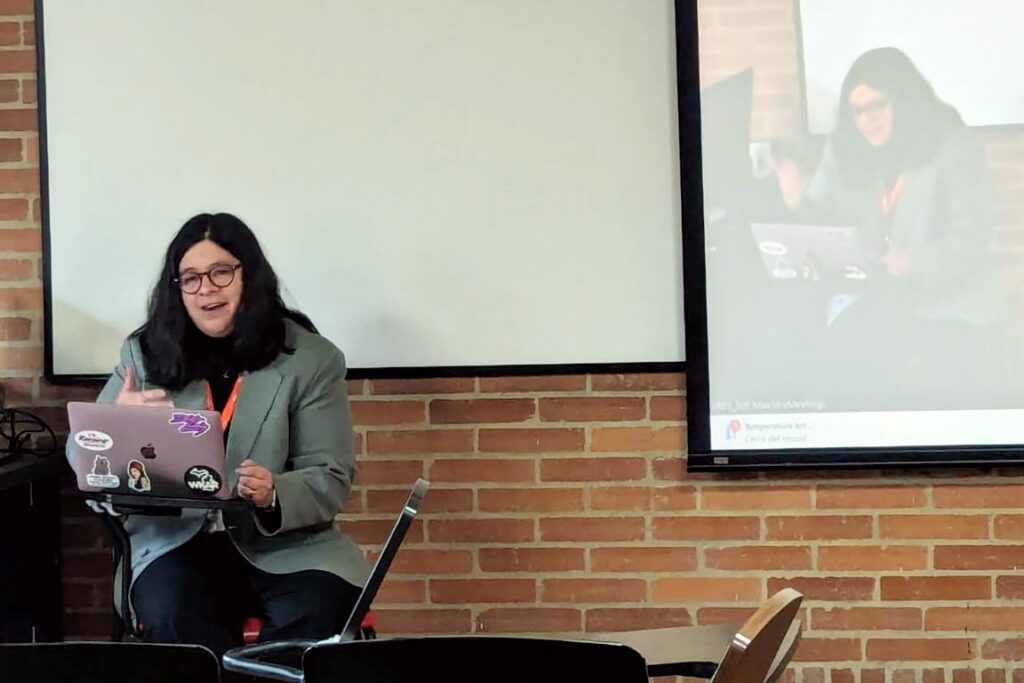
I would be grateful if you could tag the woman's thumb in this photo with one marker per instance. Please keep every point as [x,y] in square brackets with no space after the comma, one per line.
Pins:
[129,379]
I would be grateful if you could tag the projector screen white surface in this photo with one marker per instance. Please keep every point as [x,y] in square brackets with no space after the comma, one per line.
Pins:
[863,287]
[986,87]
[452,183]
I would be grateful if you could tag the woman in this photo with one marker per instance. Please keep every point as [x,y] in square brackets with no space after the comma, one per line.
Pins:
[218,336]
[903,168]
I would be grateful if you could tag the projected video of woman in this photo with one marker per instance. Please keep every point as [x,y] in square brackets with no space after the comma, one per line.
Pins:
[903,170]
[866,277]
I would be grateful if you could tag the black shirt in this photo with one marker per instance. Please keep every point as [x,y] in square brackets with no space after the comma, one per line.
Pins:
[219,371]
[220,388]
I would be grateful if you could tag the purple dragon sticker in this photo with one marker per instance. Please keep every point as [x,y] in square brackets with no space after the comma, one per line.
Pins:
[190,423]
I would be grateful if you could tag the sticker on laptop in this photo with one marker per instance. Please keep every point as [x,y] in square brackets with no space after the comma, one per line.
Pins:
[202,479]
[190,423]
[101,476]
[138,480]
[92,440]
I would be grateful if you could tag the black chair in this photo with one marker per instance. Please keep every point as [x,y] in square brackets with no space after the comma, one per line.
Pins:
[448,659]
[108,663]
[471,659]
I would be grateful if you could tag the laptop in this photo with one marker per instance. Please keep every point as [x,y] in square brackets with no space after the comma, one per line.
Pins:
[147,451]
[383,563]
[811,252]
[726,167]
[246,660]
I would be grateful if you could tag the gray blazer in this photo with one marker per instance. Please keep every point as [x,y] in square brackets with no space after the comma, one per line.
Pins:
[293,418]
[944,219]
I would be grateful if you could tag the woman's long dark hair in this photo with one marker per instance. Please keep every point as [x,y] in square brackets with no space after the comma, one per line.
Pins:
[921,121]
[175,352]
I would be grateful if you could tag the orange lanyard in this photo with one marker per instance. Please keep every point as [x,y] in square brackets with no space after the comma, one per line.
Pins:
[229,407]
[890,198]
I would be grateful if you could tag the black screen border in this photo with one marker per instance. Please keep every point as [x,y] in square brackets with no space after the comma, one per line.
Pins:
[700,456]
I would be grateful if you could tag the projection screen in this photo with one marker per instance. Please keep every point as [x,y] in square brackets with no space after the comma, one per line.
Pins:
[439,185]
[856,262]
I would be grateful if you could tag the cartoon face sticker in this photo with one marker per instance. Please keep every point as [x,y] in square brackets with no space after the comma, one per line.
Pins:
[138,480]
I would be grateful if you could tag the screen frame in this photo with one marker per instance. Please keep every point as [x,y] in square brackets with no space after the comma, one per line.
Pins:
[700,456]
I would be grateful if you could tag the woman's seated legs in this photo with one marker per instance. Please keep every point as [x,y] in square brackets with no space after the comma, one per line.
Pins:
[191,595]
[201,592]
[308,604]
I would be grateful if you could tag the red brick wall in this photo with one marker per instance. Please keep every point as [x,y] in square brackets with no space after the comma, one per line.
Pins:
[740,34]
[562,503]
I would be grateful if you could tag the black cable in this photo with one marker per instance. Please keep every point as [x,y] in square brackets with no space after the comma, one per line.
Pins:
[17,431]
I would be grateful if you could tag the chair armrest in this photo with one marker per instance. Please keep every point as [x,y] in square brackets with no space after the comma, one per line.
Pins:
[245,660]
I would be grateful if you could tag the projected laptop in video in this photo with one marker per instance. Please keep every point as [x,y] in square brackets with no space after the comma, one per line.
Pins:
[810,252]
[147,451]
[725,136]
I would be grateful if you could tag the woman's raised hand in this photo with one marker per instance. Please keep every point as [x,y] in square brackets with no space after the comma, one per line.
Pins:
[130,396]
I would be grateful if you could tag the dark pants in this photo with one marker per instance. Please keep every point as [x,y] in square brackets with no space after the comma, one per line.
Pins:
[201,592]
[886,357]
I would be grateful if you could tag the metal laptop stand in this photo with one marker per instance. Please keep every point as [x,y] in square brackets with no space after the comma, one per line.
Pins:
[154,506]
[129,503]
[246,660]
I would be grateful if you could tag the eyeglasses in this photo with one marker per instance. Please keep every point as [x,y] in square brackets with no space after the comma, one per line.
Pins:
[872,108]
[220,276]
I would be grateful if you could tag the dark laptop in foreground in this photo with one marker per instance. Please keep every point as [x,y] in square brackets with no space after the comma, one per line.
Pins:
[247,659]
